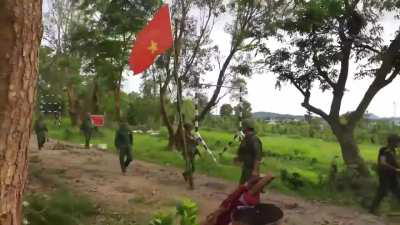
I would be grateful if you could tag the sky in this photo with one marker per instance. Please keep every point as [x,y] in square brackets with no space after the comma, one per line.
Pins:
[264,97]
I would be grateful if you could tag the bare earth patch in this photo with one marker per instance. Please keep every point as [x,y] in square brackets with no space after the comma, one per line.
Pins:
[148,188]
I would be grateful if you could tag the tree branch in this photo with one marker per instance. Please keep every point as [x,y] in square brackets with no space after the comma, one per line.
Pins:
[306,104]
[380,81]
[198,42]
[394,74]
[323,74]
[363,46]
[338,92]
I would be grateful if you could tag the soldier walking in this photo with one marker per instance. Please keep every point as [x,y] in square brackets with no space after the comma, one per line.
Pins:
[192,150]
[124,142]
[87,129]
[41,131]
[249,153]
[388,171]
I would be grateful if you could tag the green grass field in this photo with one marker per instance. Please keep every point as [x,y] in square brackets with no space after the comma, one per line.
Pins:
[152,149]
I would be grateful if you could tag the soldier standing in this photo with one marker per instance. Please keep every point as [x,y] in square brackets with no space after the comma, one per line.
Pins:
[41,131]
[388,171]
[124,142]
[87,129]
[249,153]
[192,150]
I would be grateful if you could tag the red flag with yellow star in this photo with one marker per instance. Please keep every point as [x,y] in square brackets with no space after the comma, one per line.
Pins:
[152,41]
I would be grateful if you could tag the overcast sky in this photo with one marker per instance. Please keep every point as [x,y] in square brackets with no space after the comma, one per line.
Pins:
[264,97]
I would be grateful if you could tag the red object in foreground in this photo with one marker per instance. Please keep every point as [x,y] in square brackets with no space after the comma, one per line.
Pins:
[152,41]
[97,120]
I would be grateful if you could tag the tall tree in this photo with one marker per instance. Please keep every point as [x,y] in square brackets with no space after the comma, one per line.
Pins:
[246,110]
[193,52]
[248,16]
[62,71]
[20,35]
[182,65]
[326,38]
[104,37]
[226,110]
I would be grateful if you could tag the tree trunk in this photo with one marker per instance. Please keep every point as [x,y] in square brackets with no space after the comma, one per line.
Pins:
[117,98]
[350,151]
[217,90]
[73,109]
[167,122]
[20,34]
[95,97]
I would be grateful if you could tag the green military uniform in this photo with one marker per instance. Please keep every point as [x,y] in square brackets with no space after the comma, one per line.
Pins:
[41,132]
[87,129]
[249,152]
[192,151]
[123,142]
[387,172]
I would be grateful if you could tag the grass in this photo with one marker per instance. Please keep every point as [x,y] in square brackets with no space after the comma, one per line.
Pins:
[152,149]
[60,207]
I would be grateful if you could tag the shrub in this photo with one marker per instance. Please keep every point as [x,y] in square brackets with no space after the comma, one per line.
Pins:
[68,133]
[186,214]
[61,208]
[163,132]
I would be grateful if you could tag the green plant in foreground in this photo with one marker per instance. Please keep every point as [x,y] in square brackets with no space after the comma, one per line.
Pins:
[186,214]
[61,208]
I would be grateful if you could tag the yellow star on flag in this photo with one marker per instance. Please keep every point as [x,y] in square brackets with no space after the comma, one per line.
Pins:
[153,48]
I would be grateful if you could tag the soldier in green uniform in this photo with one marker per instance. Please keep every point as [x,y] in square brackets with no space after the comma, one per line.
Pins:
[124,142]
[388,172]
[41,131]
[192,150]
[87,129]
[249,153]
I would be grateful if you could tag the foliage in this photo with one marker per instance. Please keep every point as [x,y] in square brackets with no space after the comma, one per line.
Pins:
[325,37]
[309,157]
[245,108]
[186,214]
[61,207]
[187,210]
[162,219]
[226,110]
[103,36]
[144,111]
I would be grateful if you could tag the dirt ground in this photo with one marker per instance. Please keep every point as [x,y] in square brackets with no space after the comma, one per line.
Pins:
[148,188]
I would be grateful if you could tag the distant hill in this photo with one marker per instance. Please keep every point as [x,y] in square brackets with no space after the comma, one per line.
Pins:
[276,116]
[371,116]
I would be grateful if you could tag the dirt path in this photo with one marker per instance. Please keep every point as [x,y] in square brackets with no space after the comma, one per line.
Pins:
[148,188]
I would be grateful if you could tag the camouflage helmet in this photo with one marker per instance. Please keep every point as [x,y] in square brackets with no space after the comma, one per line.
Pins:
[393,139]
[249,124]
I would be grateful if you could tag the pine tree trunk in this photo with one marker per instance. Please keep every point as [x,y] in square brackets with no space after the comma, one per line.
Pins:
[350,151]
[20,34]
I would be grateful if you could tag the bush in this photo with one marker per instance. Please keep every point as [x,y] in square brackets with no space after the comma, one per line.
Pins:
[164,132]
[186,214]
[68,133]
[61,208]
